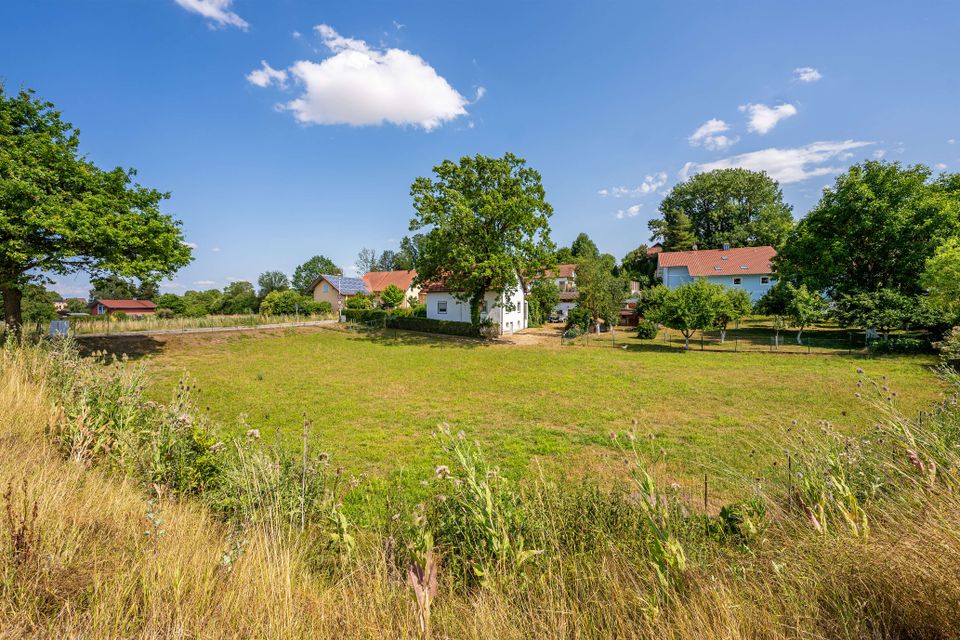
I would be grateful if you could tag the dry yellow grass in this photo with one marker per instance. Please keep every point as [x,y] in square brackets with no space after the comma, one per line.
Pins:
[86,568]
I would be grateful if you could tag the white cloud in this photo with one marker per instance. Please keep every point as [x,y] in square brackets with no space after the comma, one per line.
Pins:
[629,212]
[361,85]
[217,12]
[762,118]
[784,165]
[204,283]
[192,245]
[940,166]
[215,249]
[267,75]
[649,185]
[707,135]
[296,35]
[806,74]
[481,91]
[952,141]
[878,154]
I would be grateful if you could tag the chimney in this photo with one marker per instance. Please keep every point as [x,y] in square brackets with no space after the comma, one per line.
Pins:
[726,246]
[694,247]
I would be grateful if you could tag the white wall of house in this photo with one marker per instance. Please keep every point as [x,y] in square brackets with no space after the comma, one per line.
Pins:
[442,305]
[564,308]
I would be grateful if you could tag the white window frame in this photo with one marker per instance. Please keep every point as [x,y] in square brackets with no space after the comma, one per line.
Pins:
[441,306]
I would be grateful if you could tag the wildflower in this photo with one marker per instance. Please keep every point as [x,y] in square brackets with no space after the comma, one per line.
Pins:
[613,435]
[859,370]
[631,436]
[442,471]
[674,486]
[253,434]
[217,446]
[916,461]
[857,395]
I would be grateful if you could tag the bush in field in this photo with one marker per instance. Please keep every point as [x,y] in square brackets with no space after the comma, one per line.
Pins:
[579,319]
[798,305]
[117,316]
[286,303]
[949,348]
[164,314]
[392,296]
[647,330]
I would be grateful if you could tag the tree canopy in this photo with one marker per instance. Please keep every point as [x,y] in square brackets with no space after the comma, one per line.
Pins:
[270,281]
[640,266]
[874,229]
[487,226]
[941,277]
[599,291]
[691,307]
[392,296]
[736,206]
[305,274]
[60,213]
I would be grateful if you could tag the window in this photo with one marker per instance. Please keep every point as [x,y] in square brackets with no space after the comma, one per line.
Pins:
[737,282]
[485,307]
[764,280]
[441,306]
[325,287]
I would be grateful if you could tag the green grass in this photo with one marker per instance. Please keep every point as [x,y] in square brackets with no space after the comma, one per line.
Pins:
[375,398]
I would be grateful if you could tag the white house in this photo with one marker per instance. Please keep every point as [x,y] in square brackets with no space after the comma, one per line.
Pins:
[509,314]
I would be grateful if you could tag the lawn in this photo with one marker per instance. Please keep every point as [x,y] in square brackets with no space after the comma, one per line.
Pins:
[374,399]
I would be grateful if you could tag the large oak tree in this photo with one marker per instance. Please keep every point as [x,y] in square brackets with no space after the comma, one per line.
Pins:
[735,206]
[874,229]
[486,226]
[60,213]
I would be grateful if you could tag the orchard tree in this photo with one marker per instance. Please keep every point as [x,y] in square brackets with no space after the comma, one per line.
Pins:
[732,306]
[270,281]
[308,272]
[689,308]
[736,206]
[391,296]
[487,226]
[599,291]
[875,229]
[60,213]
[798,305]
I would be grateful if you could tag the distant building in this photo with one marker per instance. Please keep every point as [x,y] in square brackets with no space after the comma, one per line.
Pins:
[747,268]
[136,308]
[377,281]
[337,289]
[566,278]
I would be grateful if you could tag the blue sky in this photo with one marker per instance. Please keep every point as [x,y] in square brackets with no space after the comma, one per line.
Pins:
[613,102]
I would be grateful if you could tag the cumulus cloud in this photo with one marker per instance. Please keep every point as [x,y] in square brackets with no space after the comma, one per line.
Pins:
[952,141]
[940,166]
[878,154]
[362,85]
[215,249]
[267,75]
[709,136]
[806,74]
[762,119]
[192,245]
[784,165]
[217,12]
[649,185]
[629,212]
[204,283]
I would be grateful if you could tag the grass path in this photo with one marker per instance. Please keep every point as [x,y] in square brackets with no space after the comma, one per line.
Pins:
[374,399]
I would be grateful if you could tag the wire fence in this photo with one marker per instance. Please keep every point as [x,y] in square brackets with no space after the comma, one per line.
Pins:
[733,342]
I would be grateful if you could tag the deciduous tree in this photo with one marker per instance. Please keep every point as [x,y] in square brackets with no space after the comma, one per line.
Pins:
[487,226]
[60,213]
[688,308]
[391,296]
[270,281]
[600,291]
[307,273]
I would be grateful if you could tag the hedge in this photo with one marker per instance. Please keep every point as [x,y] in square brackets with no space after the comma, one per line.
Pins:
[901,345]
[428,325]
[367,316]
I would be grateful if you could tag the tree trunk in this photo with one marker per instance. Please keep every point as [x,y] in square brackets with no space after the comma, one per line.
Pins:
[476,303]
[13,318]
[723,335]
[686,341]
[798,335]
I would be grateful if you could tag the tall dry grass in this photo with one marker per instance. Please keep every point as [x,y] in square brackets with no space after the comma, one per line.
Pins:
[90,554]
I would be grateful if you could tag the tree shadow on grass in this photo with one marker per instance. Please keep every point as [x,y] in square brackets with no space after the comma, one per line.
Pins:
[134,347]
[404,338]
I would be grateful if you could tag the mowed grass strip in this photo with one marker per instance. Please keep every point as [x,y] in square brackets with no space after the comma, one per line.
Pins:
[374,399]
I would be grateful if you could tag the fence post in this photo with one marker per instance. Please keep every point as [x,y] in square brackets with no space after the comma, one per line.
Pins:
[736,344]
[701,341]
[789,479]
[704,494]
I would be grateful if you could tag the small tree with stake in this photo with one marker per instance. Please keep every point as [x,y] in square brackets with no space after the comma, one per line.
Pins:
[60,213]
[732,306]
[689,308]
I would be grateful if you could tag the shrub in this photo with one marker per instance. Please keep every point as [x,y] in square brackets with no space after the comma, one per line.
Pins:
[359,301]
[949,348]
[392,296]
[286,302]
[163,313]
[118,315]
[900,345]
[420,311]
[366,316]
[579,317]
[429,325]
[647,329]
[324,308]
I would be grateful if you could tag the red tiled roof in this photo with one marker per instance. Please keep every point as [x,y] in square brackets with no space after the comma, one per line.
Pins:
[563,271]
[654,249]
[568,296]
[125,304]
[380,280]
[717,262]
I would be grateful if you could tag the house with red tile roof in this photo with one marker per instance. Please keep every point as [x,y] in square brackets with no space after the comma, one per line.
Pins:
[565,276]
[377,281]
[102,307]
[747,268]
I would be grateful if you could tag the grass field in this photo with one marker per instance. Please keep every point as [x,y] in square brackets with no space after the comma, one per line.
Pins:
[374,399]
